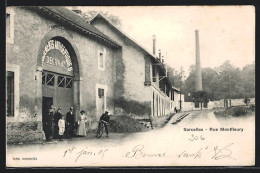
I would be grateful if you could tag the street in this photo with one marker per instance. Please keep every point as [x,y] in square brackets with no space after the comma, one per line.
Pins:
[199,139]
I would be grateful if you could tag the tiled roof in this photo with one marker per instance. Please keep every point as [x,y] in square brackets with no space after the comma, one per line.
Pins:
[70,18]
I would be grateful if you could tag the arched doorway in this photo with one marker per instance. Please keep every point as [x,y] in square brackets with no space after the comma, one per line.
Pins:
[59,76]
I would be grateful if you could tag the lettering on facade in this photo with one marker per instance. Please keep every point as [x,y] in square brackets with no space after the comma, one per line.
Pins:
[48,58]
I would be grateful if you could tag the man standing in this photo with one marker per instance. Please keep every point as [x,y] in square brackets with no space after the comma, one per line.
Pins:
[70,123]
[104,117]
[47,124]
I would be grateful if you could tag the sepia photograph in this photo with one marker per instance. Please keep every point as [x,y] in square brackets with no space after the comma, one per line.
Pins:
[130,86]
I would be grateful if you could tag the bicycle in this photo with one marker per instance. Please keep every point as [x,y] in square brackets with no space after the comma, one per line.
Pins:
[101,128]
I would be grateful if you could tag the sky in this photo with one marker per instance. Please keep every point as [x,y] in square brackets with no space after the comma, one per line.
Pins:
[225,32]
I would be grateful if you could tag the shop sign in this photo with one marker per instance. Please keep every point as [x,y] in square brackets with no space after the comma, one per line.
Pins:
[55,54]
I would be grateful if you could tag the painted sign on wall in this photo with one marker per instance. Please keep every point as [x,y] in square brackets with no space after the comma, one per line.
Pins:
[56,58]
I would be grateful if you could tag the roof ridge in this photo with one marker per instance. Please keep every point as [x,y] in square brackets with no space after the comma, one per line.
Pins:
[133,40]
[92,30]
[123,32]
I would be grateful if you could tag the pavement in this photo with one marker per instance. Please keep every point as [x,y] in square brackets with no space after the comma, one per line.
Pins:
[171,145]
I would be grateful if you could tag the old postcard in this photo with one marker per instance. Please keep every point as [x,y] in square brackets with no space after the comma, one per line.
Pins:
[130,86]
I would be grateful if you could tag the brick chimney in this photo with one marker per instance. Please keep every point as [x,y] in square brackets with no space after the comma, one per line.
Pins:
[198,79]
[154,44]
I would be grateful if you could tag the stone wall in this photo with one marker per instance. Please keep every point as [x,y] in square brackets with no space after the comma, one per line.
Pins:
[31,31]
[130,69]
[190,106]
[24,132]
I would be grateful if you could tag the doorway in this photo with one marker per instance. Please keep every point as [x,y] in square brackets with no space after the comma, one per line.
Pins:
[46,103]
[100,101]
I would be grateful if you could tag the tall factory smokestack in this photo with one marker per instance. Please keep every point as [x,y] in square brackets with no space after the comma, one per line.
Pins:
[154,45]
[198,79]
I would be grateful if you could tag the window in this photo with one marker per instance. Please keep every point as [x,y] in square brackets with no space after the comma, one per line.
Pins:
[9,25]
[50,79]
[10,94]
[43,78]
[205,105]
[101,60]
[100,92]
[61,81]
[68,82]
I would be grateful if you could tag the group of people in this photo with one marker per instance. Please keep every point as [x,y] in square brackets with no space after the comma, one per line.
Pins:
[56,123]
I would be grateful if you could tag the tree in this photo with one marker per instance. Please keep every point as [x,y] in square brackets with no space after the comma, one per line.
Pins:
[174,77]
[224,81]
[190,84]
[248,80]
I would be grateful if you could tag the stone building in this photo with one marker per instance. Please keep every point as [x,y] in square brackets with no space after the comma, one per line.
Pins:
[142,88]
[53,56]
[176,99]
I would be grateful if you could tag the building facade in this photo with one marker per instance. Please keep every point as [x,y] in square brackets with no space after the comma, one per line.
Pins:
[54,57]
[177,100]
[142,85]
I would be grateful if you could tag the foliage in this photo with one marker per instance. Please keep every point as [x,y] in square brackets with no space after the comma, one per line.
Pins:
[200,96]
[225,81]
[174,77]
[236,111]
[88,15]
[23,132]
[239,111]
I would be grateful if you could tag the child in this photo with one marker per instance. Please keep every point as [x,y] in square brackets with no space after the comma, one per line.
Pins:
[61,125]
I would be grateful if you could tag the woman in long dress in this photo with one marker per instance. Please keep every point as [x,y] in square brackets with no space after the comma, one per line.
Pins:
[82,129]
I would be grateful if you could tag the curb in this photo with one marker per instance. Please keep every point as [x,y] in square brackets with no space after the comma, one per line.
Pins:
[180,118]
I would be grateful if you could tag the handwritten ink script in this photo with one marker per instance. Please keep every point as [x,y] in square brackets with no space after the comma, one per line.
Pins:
[215,153]
[138,152]
[84,152]
[195,138]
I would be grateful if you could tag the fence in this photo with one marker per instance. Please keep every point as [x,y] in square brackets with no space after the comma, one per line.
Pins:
[190,106]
